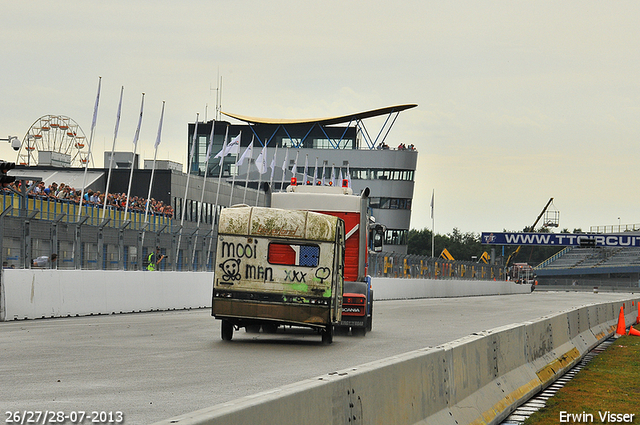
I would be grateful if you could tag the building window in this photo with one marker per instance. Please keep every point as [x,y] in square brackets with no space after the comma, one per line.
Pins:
[390,203]
[395,237]
[381,174]
[290,143]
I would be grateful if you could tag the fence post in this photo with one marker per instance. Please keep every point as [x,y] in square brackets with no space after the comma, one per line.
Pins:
[77,242]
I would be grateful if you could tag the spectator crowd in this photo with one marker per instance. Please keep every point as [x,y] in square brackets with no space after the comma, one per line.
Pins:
[65,193]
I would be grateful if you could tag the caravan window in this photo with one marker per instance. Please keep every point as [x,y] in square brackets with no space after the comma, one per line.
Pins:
[293,254]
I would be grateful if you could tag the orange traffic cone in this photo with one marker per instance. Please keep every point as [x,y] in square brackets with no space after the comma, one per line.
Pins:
[638,318]
[621,329]
[633,331]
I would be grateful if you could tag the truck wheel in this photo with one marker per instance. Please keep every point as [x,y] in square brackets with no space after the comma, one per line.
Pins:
[370,320]
[227,330]
[327,335]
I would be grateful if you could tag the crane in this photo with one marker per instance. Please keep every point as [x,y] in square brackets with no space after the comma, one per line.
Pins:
[529,229]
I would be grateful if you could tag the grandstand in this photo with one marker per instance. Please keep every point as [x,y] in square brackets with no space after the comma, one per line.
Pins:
[616,266]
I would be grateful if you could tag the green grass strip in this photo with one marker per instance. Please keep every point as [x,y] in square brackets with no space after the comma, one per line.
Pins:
[606,390]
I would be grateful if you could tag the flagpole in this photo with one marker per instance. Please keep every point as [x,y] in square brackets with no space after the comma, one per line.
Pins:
[315,173]
[284,169]
[153,167]
[261,170]
[433,229]
[133,160]
[113,148]
[222,155]
[333,175]
[246,179]
[86,164]
[273,168]
[233,176]
[294,169]
[306,168]
[215,206]
[258,190]
[186,188]
[206,168]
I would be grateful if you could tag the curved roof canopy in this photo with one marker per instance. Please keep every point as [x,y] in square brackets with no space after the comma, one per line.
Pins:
[324,121]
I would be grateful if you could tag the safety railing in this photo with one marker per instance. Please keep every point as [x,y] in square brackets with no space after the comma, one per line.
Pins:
[46,209]
[32,232]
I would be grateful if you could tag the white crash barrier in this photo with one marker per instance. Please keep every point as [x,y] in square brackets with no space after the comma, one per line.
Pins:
[480,378]
[385,288]
[38,293]
[34,294]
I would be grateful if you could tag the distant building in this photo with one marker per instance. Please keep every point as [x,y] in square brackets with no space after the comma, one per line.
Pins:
[338,145]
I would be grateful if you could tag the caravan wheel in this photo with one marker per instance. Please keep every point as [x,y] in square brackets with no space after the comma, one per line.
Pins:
[227,330]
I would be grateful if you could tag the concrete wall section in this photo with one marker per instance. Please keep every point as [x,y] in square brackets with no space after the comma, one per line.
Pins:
[480,378]
[33,294]
[390,288]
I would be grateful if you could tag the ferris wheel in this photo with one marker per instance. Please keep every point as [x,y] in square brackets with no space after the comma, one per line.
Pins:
[59,135]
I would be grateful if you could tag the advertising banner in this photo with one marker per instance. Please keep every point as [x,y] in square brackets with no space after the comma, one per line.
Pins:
[561,239]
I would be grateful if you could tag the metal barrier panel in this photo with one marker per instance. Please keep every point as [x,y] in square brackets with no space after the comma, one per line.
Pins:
[34,227]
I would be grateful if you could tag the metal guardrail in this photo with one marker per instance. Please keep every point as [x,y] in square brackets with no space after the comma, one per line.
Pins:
[615,228]
[40,228]
[51,209]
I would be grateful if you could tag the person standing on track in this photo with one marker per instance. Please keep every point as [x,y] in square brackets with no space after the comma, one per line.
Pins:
[154,260]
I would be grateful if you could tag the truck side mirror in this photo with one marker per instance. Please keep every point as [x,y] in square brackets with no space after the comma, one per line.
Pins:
[378,237]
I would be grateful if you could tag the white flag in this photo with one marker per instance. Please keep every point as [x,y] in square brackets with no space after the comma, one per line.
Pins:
[95,108]
[333,177]
[261,161]
[273,163]
[315,173]
[248,152]
[348,176]
[323,172]
[115,132]
[210,148]
[223,151]
[155,146]
[193,142]
[433,194]
[294,168]
[284,163]
[234,145]
[135,137]
[340,178]
[222,154]
[306,168]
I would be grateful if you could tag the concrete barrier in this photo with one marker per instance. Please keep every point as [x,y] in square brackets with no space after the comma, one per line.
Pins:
[38,293]
[34,294]
[390,288]
[480,378]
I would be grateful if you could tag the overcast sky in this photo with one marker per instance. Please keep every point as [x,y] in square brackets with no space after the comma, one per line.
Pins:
[517,101]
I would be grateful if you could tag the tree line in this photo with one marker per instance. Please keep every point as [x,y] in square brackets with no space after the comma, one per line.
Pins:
[466,246]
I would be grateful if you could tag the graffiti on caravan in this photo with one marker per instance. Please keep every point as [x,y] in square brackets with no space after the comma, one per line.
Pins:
[560,239]
[239,250]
